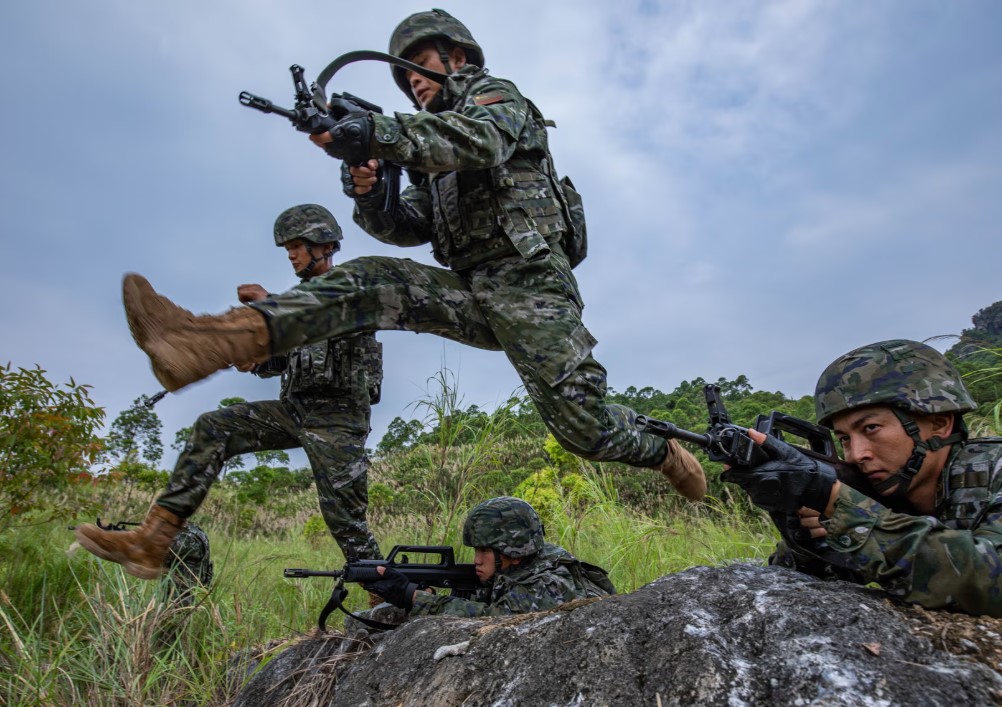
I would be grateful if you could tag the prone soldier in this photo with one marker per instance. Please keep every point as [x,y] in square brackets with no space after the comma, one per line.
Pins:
[918,507]
[519,571]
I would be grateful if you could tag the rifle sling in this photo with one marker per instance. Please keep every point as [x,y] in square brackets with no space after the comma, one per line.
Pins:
[370,55]
[336,601]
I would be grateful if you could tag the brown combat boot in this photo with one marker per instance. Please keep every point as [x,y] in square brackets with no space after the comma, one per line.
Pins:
[141,552]
[683,472]
[184,348]
[197,349]
[149,313]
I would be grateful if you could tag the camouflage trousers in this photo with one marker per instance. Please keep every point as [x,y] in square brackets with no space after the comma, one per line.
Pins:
[331,432]
[530,309]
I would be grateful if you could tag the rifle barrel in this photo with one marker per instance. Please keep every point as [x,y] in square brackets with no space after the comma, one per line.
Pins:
[292,572]
[668,430]
[264,105]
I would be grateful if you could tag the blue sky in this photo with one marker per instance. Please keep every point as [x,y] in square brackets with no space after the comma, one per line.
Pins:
[767,184]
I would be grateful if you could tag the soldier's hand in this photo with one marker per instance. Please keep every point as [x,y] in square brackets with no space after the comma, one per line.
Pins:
[364,177]
[251,293]
[788,481]
[394,587]
[810,520]
[349,139]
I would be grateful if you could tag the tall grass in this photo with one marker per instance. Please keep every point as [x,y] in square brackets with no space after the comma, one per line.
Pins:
[75,630]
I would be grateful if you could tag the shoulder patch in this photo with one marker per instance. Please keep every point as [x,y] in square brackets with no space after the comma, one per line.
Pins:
[485,99]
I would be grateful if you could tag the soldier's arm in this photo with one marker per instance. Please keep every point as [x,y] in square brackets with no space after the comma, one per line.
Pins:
[482,134]
[409,224]
[917,558]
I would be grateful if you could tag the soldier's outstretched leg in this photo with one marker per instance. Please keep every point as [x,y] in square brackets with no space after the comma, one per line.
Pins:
[184,348]
[366,294]
[534,309]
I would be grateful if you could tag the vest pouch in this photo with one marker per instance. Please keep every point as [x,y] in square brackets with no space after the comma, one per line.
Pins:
[522,232]
[576,236]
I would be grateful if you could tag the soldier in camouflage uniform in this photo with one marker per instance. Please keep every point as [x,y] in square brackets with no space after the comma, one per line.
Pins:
[324,407]
[486,195]
[918,508]
[520,572]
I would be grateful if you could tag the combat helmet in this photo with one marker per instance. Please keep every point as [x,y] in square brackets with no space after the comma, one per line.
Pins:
[433,25]
[310,222]
[506,524]
[905,375]
[908,377]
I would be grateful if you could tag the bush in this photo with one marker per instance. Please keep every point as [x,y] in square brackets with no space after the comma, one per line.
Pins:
[47,442]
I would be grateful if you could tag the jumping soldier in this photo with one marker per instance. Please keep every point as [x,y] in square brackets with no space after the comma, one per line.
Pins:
[520,572]
[919,509]
[487,197]
[327,388]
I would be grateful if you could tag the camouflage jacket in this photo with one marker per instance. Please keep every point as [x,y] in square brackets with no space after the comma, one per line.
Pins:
[346,366]
[949,560]
[483,182]
[548,579]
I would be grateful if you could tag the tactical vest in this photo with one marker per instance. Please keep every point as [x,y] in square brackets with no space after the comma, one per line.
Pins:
[519,207]
[350,365]
[969,483]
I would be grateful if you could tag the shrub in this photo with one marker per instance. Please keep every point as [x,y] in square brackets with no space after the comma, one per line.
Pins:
[47,442]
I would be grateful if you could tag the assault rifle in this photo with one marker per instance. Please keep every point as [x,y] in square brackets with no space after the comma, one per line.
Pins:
[729,443]
[445,574]
[314,114]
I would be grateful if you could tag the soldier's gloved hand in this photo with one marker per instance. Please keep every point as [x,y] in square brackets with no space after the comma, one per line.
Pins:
[369,178]
[788,481]
[350,138]
[394,587]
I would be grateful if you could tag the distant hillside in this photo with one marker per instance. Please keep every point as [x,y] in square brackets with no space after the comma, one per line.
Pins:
[980,348]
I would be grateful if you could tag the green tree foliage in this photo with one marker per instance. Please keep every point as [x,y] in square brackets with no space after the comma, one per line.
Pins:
[47,442]
[399,435]
[135,435]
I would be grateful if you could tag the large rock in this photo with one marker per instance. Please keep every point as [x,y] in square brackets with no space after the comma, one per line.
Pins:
[731,636]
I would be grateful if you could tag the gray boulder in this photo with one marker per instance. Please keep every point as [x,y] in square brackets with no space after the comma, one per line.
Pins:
[736,635]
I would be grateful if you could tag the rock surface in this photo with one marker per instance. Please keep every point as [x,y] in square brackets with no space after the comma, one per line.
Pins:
[737,635]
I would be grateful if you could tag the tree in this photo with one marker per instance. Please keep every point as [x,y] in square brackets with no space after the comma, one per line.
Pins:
[399,435]
[135,435]
[48,441]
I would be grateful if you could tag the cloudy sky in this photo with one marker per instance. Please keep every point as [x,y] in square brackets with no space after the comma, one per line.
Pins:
[767,184]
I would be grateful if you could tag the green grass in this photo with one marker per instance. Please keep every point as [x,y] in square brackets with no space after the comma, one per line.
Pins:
[76,630]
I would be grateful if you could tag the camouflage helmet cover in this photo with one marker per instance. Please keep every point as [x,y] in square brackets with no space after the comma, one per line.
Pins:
[903,374]
[310,222]
[509,525]
[424,26]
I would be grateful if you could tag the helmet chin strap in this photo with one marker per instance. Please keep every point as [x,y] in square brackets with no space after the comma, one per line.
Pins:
[901,480]
[437,103]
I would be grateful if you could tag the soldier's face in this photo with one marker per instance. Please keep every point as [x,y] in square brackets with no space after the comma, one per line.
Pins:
[423,89]
[483,563]
[299,255]
[874,440]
